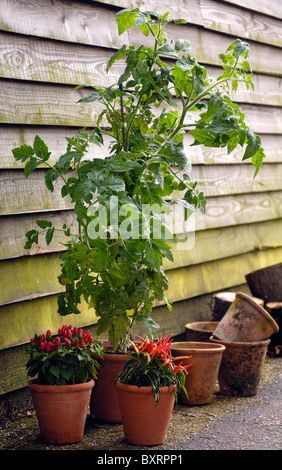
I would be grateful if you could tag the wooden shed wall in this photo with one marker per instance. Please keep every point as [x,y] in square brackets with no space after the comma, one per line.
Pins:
[46,48]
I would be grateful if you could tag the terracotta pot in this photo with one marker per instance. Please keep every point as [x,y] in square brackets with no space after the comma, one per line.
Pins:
[61,410]
[144,423]
[245,320]
[104,405]
[200,331]
[202,374]
[241,367]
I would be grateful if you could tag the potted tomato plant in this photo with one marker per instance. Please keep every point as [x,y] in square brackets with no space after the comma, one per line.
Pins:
[148,386]
[114,259]
[64,367]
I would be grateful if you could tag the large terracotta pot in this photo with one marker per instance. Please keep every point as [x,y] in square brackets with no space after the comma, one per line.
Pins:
[144,423]
[241,367]
[61,410]
[200,331]
[202,374]
[104,405]
[245,320]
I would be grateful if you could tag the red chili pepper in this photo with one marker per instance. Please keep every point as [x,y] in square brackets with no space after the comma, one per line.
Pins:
[57,341]
[48,333]
[67,341]
[83,344]
[69,333]
[76,343]
[43,345]
[48,346]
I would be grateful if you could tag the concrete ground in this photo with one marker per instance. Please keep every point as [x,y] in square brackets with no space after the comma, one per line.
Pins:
[253,423]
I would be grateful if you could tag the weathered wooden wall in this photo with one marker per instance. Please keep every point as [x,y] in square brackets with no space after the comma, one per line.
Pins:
[46,48]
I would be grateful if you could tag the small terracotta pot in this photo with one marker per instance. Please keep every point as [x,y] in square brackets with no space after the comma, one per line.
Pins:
[200,331]
[241,367]
[202,374]
[144,423]
[61,410]
[245,320]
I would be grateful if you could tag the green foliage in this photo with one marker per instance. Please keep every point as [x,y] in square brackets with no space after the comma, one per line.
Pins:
[116,265]
[64,359]
[151,364]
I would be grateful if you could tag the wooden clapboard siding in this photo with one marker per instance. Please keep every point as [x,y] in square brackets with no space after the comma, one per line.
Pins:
[218,16]
[46,49]
[27,58]
[15,136]
[51,105]
[25,277]
[213,181]
[79,24]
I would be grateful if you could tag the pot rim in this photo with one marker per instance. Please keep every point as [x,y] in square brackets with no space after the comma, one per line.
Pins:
[193,325]
[239,344]
[33,385]
[197,347]
[143,389]
[260,309]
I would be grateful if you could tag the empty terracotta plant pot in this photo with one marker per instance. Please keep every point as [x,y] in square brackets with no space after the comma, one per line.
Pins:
[245,320]
[202,374]
[241,367]
[200,331]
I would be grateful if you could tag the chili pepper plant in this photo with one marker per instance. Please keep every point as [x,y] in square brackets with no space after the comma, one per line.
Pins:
[64,359]
[150,364]
[115,263]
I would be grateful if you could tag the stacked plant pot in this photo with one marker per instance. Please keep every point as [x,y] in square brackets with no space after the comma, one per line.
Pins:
[244,331]
[267,283]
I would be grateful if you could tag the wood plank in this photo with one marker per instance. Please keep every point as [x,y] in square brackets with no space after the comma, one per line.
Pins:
[210,245]
[220,211]
[240,209]
[13,230]
[206,46]
[272,8]
[221,180]
[22,195]
[227,211]
[29,58]
[217,275]
[79,24]
[72,22]
[23,319]
[15,136]
[218,16]
[30,277]
[27,103]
